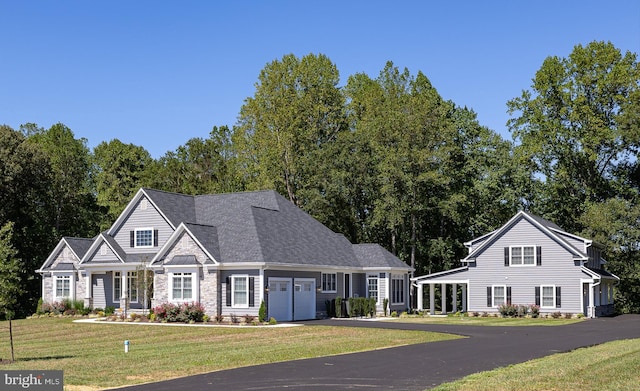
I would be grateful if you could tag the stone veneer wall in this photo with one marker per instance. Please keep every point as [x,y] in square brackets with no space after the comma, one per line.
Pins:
[207,280]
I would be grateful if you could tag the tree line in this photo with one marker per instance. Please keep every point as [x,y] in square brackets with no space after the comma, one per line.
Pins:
[385,160]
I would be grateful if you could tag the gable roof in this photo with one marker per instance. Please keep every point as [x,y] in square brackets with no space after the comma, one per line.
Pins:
[549,228]
[263,227]
[79,247]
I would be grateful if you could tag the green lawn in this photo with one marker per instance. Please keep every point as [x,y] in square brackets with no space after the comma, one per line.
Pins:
[92,355]
[611,366]
[480,321]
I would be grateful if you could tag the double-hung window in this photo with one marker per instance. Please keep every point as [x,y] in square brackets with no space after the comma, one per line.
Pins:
[329,282]
[548,296]
[522,256]
[63,286]
[240,291]
[372,287]
[182,286]
[499,295]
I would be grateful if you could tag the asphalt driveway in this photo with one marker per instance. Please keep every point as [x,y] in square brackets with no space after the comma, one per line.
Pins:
[414,367]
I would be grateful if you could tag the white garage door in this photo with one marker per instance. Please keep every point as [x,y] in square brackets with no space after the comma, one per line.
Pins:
[304,298]
[292,299]
[280,299]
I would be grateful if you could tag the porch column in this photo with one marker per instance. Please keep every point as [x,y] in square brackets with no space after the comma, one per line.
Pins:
[464,297]
[591,308]
[87,282]
[443,294]
[432,299]
[124,290]
[88,294]
[420,291]
[454,297]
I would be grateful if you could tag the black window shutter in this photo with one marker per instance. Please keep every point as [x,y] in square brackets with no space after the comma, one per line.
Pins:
[252,301]
[538,255]
[538,296]
[557,297]
[155,238]
[132,237]
[509,295]
[506,256]
[489,298]
[228,291]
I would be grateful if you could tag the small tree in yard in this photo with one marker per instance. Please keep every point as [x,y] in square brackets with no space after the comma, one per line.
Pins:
[10,286]
[145,283]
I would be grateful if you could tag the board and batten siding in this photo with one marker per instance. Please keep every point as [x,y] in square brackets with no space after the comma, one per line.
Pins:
[558,268]
[143,215]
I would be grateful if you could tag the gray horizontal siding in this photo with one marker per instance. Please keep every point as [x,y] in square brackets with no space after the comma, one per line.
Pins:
[138,218]
[558,268]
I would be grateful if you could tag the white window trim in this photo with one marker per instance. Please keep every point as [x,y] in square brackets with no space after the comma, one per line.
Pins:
[535,255]
[493,295]
[135,237]
[60,277]
[553,291]
[377,278]
[397,277]
[335,283]
[194,286]
[233,290]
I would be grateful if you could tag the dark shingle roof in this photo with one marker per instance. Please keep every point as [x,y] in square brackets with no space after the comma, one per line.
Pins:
[176,207]
[182,260]
[63,266]
[263,226]
[374,255]
[80,246]
[207,235]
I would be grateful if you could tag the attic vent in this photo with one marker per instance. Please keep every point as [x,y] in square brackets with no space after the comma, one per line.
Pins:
[144,204]
[66,252]
[103,250]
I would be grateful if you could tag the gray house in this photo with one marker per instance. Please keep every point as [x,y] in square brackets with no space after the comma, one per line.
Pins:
[228,252]
[527,261]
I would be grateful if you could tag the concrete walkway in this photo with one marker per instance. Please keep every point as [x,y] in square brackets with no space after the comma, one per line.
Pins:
[414,367]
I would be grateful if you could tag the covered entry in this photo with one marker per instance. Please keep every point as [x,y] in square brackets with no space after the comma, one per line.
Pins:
[291,298]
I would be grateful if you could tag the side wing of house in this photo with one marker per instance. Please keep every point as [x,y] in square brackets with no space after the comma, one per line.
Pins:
[61,275]
[526,264]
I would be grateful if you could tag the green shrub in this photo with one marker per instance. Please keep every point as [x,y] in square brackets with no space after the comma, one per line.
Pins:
[371,308]
[109,310]
[556,315]
[262,312]
[534,310]
[338,307]
[273,321]
[352,307]
[39,310]
[385,305]
[394,314]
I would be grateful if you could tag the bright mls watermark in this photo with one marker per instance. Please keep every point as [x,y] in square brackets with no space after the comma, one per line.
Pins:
[31,380]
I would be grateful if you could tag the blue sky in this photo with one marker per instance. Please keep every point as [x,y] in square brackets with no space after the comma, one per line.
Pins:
[157,73]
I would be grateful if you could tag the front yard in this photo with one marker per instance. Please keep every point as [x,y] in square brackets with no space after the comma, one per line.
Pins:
[92,355]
